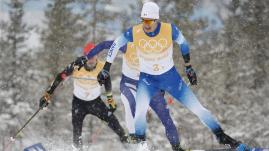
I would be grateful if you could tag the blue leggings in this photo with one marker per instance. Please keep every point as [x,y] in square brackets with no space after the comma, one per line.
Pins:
[158,105]
[172,83]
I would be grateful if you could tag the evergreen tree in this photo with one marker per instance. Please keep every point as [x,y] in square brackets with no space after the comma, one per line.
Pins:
[62,41]
[97,18]
[15,62]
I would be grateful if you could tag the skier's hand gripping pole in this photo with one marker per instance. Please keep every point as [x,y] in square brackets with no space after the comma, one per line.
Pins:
[111,103]
[191,75]
[44,100]
[80,62]
[104,74]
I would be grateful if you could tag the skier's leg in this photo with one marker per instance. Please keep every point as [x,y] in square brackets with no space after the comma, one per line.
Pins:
[129,117]
[128,98]
[100,110]
[145,91]
[185,96]
[159,105]
[78,115]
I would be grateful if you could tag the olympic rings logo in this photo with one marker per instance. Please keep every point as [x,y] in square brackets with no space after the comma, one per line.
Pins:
[153,45]
[131,56]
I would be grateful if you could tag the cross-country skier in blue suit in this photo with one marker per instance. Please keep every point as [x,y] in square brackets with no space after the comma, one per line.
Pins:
[154,46]
[128,84]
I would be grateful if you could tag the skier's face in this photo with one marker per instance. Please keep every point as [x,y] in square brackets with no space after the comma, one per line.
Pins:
[149,25]
[93,60]
[91,63]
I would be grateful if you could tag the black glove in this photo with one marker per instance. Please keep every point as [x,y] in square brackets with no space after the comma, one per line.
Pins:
[102,76]
[111,104]
[80,61]
[191,75]
[44,101]
[104,73]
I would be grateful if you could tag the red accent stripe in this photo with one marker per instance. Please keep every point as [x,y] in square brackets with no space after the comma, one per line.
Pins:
[63,76]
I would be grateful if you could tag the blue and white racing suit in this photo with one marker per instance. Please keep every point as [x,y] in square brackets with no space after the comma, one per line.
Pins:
[128,88]
[157,72]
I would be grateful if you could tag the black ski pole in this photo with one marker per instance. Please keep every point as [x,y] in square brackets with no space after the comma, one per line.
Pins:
[12,139]
[28,121]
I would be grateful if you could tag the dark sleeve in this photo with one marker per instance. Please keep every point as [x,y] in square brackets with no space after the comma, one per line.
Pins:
[60,77]
[108,85]
[186,58]
[98,48]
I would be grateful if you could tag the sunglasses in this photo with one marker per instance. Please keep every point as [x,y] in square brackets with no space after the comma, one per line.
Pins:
[149,22]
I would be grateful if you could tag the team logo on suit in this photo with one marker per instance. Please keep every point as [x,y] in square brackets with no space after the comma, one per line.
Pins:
[153,45]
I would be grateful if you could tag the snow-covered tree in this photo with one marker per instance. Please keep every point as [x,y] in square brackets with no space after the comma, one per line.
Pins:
[15,61]
[62,39]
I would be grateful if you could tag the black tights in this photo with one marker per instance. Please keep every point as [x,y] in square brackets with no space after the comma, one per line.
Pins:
[96,107]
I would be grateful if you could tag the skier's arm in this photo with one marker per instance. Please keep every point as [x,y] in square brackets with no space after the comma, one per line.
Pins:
[112,105]
[178,37]
[113,51]
[100,47]
[44,101]
[117,44]
[108,86]
[184,48]
[60,77]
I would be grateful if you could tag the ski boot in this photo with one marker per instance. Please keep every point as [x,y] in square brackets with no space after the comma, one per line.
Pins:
[132,139]
[77,144]
[243,147]
[227,140]
[131,143]
[76,148]
[124,139]
[143,146]
[232,143]
[140,142]
[177,147]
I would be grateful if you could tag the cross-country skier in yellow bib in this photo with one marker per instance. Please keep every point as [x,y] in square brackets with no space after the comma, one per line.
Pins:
[87,96]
